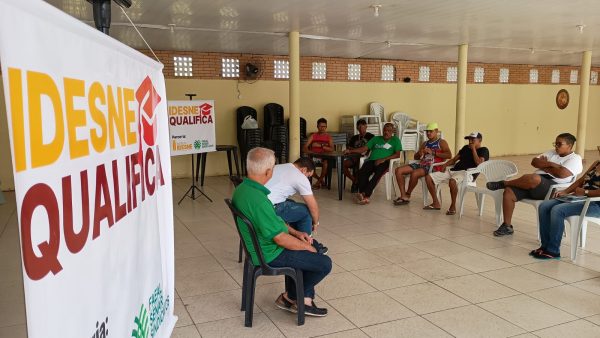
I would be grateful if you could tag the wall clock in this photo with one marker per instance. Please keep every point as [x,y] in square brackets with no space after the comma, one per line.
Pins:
[562,99]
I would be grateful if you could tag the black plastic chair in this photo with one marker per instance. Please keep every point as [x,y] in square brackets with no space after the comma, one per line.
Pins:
[251,272]
[236,180]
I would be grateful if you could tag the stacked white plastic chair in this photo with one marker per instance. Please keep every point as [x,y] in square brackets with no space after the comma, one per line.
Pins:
[374,124]
[492,170]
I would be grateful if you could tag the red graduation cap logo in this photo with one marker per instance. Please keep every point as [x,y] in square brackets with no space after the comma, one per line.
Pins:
[205,109]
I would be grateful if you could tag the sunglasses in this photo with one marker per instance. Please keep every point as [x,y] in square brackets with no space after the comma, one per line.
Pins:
[558,144]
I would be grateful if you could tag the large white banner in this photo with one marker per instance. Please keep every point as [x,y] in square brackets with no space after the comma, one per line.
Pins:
[89,136]
[192,126]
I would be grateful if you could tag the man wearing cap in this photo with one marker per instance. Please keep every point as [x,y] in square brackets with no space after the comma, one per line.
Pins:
[434,150]
[470,156]
[559,165]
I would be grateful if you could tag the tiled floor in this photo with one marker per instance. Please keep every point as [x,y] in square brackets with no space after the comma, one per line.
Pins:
[398,272]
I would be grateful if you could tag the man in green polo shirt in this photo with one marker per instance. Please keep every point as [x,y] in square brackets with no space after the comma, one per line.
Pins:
[282,246]
[383,149]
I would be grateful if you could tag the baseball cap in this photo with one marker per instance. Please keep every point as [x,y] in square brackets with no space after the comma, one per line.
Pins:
[431,126]
[474,134]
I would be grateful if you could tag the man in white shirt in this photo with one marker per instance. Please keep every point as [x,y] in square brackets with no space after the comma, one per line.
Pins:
[289,179]
[560,165]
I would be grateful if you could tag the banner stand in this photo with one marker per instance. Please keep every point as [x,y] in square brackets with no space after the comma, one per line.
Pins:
[193,187]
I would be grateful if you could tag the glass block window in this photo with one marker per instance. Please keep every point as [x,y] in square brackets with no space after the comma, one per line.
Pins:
[573,76]
[452,74]
[594,77]
[424,74]
[230,67]
[479,75]
[555,76]
[503,75]
[319,70]
[387,73]
[533,76]
[353,72]
[182,65]
[281,69]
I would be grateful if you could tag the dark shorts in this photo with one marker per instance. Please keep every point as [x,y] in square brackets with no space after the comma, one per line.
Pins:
[416,166]
[537,193]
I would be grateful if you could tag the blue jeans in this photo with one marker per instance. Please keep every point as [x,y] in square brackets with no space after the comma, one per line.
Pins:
[295,214]
[314,268]
[552,216]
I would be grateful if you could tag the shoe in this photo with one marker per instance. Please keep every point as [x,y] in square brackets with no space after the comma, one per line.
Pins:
[354,188]
[533,252]
[313,310]
[495,185]
[321,249]
[286,305]
[543,254]
[503,230]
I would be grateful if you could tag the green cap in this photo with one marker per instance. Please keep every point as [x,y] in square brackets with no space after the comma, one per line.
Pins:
[432,126]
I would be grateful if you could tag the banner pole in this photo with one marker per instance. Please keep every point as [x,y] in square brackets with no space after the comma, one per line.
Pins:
[193,187]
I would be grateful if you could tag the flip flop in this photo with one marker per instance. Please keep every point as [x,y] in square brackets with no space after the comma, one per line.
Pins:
[364,201]
[431,207]
[401,201]
[451,212]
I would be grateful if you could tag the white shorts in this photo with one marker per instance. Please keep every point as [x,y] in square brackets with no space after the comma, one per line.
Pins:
[445,176]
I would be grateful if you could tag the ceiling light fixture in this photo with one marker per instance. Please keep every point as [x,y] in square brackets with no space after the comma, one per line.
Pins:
[580,28]
[376,10]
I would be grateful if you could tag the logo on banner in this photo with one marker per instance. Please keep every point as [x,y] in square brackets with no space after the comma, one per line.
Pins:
[75,138]
[147,322]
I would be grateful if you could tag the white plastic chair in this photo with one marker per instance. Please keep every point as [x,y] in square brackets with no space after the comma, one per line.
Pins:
[410,141]
[493,170]
[394,182]
[579,226]
[376,108]
[551,191]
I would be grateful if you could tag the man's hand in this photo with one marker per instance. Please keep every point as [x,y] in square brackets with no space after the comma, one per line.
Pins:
[427,151]
[379,161]
[472,146]
[347,151]
[303,236]
[579,192]
[559,194]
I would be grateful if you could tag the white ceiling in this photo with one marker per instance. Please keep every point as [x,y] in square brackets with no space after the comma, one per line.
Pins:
[496,31]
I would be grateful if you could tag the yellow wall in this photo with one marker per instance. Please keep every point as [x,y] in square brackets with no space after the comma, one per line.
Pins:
[514,119]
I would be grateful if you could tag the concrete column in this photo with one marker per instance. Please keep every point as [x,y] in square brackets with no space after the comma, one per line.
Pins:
[584,91]
[294,146]
[461,97]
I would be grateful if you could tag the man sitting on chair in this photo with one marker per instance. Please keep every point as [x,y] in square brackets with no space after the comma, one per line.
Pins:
[356,141]
[281,245]
[289,179]
[469,156]
[560,165]
[383,149]
[434,150]
[319,142]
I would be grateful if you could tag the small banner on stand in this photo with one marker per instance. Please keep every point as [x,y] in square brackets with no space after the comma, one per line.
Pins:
[87,118]
[192,127]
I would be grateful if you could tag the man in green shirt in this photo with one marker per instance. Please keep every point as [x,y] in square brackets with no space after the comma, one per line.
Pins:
[383,149]
[282,246]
